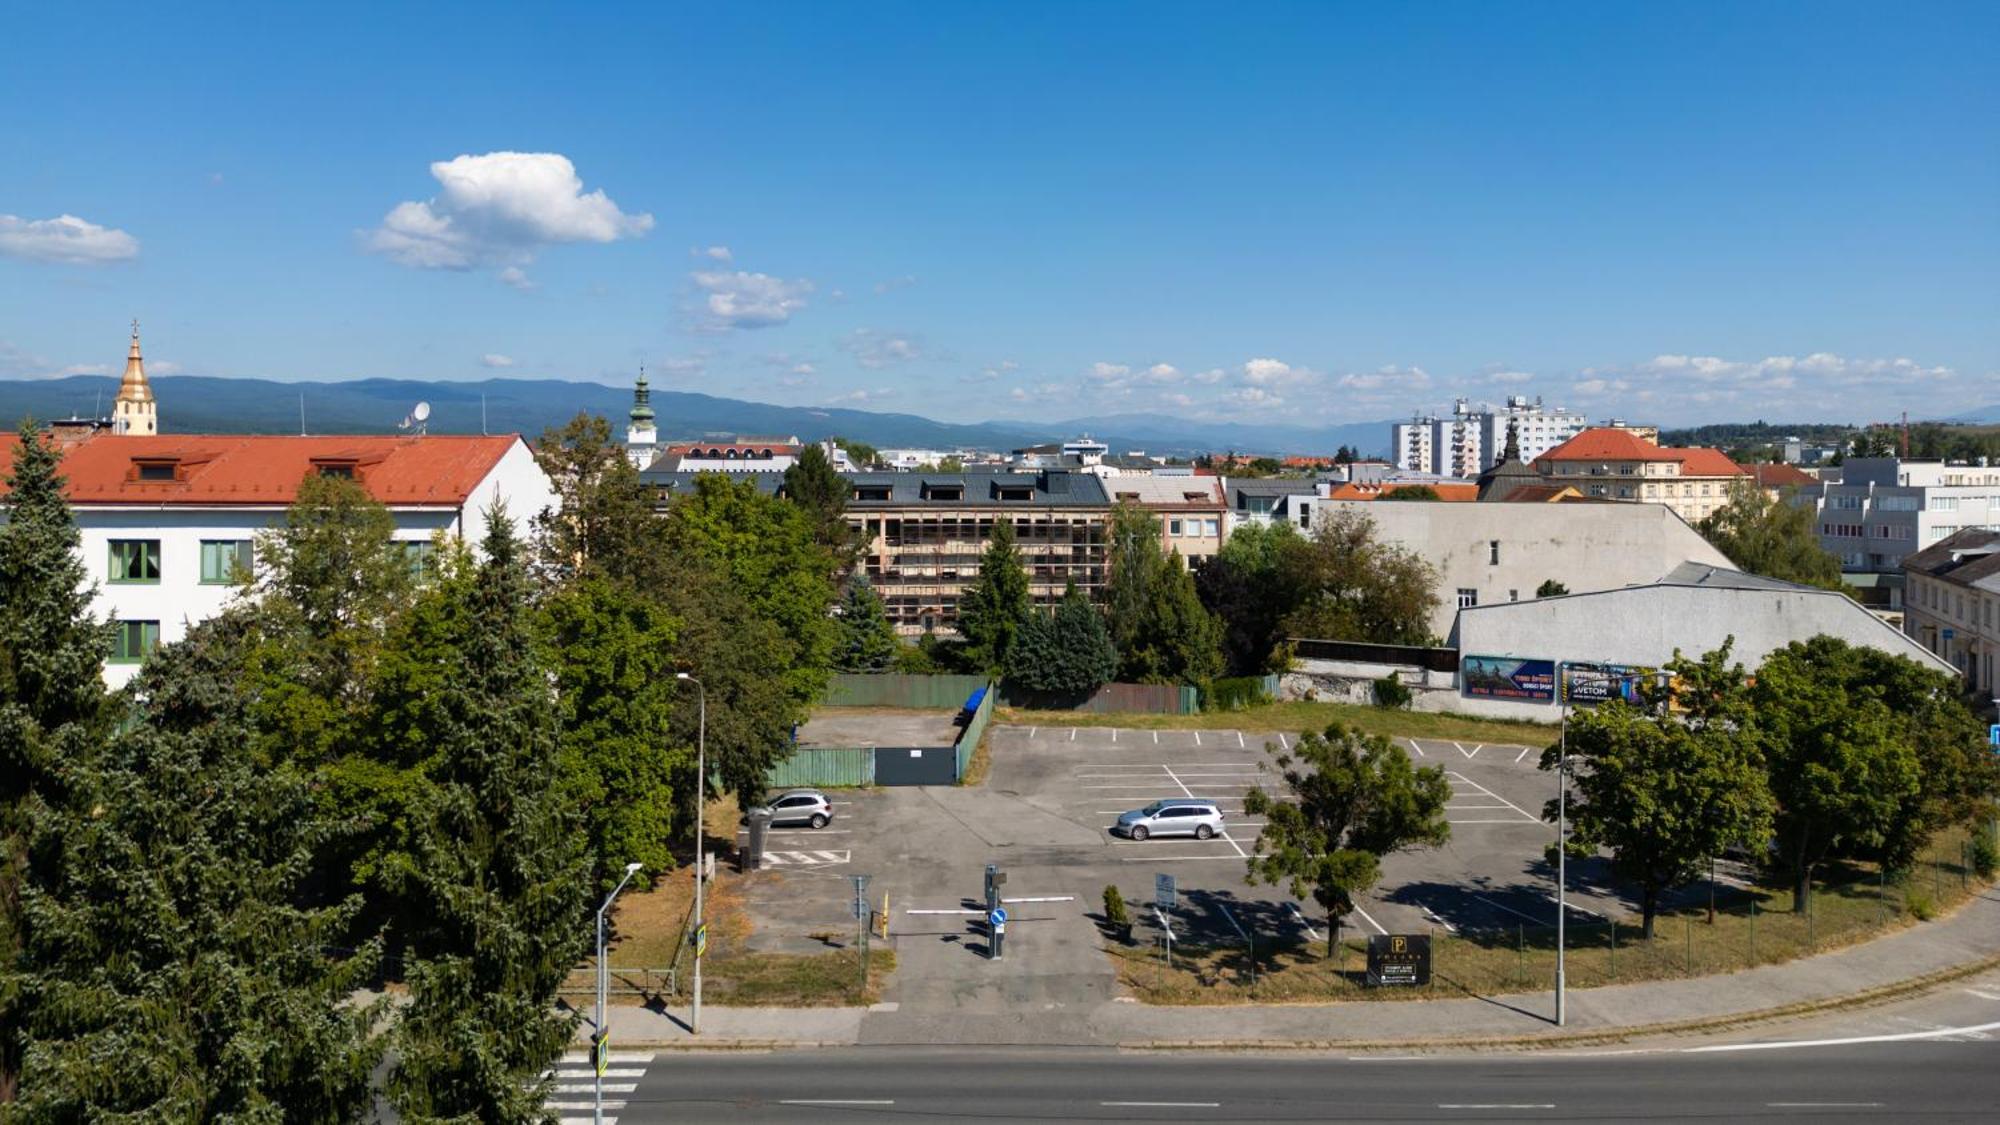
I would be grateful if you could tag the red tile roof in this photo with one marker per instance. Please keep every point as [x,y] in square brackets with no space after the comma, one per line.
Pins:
[1606,444]
[1448,493]
[434,470]
[1781,476]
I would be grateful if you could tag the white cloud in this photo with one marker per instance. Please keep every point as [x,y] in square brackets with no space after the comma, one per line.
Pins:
[1386,377]
[992,372]
[1256,398]
[64,238]
[1511,377]
[862,397]
[495,359]
[1211,376]
[500,207]
[1780,372]
[1109,372]
[514,277]
[804,369]
[895,283]
[1163,373]
[1271,373]
[1177,399]
[876,350]
[740,299]
[714,253]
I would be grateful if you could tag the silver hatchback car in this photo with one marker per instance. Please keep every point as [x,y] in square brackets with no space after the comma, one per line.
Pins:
[1184,817]
[802,806]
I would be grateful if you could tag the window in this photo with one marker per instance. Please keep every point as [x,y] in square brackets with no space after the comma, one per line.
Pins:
[156,470]
[135,560]
[1467,597]
[134,641]
[1944,503]
[871,492]
[1212,527]
[221,557]
[1848,503]
[1173,527]
[1493,552]
[342,469]
[421,554]
[1513,595]
[1897,504]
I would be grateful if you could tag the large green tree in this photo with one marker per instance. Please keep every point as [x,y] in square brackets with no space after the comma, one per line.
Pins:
[1352,586]
[493,874]
[1662,792]
[992,609]
[175,969]
[602,525]
[821,494]
[866,639]
[1248,585]
[767,548]
[1065,653]
[1771,536]
[1842,765]
[740,656]
[1163,632]
[52,699]
[1348,800]
[612,652]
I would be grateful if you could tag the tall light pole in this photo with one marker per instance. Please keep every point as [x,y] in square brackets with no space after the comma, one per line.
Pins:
[600,1042]
[700,840]
[1562,834]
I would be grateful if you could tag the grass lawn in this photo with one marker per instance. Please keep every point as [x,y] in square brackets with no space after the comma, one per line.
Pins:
[652,938]
[1754,928]
[1303,717]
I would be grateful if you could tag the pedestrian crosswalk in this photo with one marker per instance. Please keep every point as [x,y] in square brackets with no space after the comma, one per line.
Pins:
[805,859]
[573,1095]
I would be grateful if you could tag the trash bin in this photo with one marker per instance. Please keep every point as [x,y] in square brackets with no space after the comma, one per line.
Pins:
[753,847]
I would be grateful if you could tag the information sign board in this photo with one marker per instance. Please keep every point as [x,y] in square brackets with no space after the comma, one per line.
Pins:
[1588,685]
[1507,677]
[1163,891]
[1399,959]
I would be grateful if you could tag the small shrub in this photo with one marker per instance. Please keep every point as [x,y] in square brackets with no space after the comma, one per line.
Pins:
[1234,693]
[1985,853]
[1390,694]
[1114,907]
[1920,905]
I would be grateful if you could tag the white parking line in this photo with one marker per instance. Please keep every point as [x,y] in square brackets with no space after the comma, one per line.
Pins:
[836,1101]
[1072,738]
[1156,738]
[1522,754]
[1357,910]
[1155,1105]
[1282,745]
[1417,748]
[1239,742]
[1114,738]
[1190,794]
[1212,858]
[1904,1037]
[1197,742]
[1495,796]
[1031,734]
[1294,908]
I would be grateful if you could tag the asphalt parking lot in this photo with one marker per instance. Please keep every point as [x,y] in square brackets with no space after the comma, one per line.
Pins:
[1043,816]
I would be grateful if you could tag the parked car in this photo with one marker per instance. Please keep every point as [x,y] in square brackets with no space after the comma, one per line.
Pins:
[800,806]
[1183,817]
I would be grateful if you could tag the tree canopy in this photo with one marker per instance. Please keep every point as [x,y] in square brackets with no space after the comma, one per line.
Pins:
[1161,629]
[1773,537]
[866,638]
[602,525]
[1349,585]
[1066,653]
[991,610]
[1356,799]
[1246,585]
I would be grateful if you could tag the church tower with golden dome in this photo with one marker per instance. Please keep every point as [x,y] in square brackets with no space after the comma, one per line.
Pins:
[134,412]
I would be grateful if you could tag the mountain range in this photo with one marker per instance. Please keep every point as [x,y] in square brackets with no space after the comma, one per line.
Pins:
[203,404]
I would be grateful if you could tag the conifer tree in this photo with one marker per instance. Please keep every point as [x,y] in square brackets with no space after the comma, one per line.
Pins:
[821,494]
[494,879]
[992,609]
[52,699]
[1066,653]
[171,972]
[867,641]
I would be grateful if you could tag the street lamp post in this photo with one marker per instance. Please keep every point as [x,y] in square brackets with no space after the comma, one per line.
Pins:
[700,840]
[599,1043]
[1562,837]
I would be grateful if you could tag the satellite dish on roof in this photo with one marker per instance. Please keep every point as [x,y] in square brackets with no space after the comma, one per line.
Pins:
[415,418]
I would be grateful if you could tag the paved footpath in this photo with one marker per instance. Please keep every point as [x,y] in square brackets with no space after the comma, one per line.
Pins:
[1969,936]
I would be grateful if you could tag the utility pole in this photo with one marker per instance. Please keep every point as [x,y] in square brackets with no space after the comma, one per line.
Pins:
[600,1042]
[700,842]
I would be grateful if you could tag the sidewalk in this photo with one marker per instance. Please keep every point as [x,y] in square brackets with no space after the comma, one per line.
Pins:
[1968,937]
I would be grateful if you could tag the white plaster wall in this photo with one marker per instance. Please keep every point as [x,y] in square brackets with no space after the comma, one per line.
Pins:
[1583,546]
[517,481]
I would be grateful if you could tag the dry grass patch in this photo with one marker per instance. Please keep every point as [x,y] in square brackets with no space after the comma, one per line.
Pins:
[1301,716]
[1748,930]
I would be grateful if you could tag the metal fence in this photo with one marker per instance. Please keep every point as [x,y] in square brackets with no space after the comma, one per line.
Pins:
[825,767]
[974,729]
[891,689]
[1152,699]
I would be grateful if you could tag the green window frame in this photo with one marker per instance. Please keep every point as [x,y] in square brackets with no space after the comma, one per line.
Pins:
[133,641]
[135,562]
[221,557]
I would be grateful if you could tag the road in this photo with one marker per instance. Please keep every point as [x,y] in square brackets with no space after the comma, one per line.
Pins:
[1929,1081]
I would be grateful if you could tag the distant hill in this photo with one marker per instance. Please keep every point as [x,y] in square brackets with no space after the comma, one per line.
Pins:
[1985,415]
[201,404]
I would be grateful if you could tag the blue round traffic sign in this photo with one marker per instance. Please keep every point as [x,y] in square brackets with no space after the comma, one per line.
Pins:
[998,917]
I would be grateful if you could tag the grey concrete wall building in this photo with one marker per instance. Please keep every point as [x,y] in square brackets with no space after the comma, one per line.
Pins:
[1499,553]
[1883,510]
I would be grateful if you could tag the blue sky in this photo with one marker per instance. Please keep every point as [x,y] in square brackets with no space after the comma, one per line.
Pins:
[1302,213]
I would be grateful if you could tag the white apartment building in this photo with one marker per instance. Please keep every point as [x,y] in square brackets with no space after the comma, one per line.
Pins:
[1882,510]
[167,520]
[1951,605]
[1467,442]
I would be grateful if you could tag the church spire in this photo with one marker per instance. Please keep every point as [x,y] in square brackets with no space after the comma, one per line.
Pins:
[134,411]
[640,436]
[642,401]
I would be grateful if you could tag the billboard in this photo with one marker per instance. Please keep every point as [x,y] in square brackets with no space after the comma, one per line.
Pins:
[1508,677]
[1588,685]
[1399,959]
